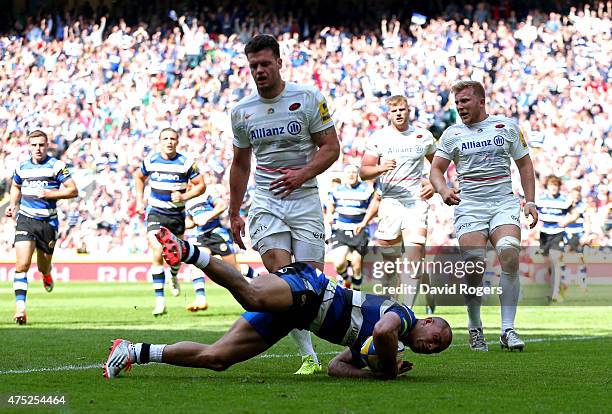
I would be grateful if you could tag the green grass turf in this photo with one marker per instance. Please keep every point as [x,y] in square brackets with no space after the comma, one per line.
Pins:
[566,366]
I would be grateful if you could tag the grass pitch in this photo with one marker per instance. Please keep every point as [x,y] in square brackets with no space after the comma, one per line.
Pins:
[566,366]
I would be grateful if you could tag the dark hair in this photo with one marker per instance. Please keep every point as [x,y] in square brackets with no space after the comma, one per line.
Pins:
[261,42]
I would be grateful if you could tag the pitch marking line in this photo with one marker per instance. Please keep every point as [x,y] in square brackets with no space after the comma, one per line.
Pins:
[269,356]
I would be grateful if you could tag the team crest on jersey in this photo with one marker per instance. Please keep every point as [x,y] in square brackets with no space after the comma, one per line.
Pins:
[294,127]
[419,136]
[499,126]
[499,140]
[270,111]
[294,106]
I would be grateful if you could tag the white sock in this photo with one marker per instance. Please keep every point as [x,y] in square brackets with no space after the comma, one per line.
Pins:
[160,300]
[155,353]
[20,305]
[510,284]
[473,309]
[304,343]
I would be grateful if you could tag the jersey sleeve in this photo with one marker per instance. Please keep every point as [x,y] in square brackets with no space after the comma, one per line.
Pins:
[63,173]
[143,167]
[193,171]
[16,177]
[407,318]
[430,147]
[442,149]
[518,145]
[241,138]
[319,117]
[372,148]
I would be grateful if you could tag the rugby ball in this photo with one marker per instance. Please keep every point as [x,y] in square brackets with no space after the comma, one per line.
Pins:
[369,357]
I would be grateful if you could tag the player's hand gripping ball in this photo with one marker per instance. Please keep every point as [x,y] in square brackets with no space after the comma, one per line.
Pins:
[369,357]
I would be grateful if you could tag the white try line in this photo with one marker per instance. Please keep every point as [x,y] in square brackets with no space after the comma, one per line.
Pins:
[269,356]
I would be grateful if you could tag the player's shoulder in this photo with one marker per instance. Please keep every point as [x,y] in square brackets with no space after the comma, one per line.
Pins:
[365,187]
[502,122]
[244,103]
[186,159]
[300,88]
[452,131]
[423,133]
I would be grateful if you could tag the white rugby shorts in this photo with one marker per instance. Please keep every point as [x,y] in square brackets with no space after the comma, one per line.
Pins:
[486,216]
[300,218]
[396,217]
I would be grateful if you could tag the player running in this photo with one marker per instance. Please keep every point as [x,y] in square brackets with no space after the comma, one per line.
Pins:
[204,212]
[292,135]
[554,209]
[295,296]
[347,208]
[481,148]
[396,156]
[37,185]
[168,173]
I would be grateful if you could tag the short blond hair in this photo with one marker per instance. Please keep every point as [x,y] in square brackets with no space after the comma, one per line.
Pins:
[465,84]
[397,100]
[37,133]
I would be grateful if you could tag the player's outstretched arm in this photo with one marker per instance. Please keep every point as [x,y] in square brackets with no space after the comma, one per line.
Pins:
[344,366]
[68,190]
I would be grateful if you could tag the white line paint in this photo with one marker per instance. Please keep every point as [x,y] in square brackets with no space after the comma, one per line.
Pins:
[270,356]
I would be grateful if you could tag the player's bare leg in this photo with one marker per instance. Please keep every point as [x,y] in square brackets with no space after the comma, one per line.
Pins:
[356,263]
[43,262]
[275,259]
[238,344]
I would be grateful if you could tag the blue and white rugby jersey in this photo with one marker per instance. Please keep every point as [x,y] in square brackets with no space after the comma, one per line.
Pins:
[551,211]
[347,317]
[30,176]
[204,203]
[165,177]
[351,204]
[577,227]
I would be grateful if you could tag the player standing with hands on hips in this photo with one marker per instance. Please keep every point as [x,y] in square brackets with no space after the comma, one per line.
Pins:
[481,148]
[292,135]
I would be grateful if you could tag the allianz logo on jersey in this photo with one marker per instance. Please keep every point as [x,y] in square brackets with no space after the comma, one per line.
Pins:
[157,176]
[498,141]
[398,150]
[293,128]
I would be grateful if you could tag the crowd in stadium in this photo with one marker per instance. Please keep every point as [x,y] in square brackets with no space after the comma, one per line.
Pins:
[103,90]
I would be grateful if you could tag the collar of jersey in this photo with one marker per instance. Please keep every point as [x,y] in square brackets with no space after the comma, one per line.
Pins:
[276,98]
